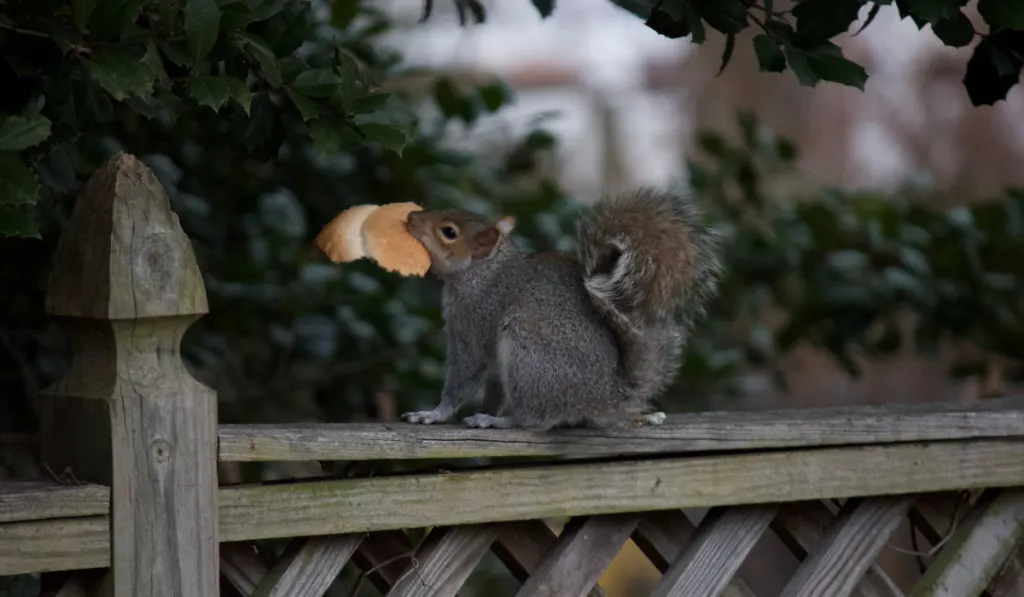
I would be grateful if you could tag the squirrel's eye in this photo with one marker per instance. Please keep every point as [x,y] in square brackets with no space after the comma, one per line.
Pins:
[449,232]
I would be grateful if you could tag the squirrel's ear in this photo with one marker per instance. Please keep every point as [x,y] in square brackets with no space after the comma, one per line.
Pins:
[505,225]
[483,244]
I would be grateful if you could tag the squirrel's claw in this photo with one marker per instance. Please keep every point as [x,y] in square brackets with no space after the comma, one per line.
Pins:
[483,421]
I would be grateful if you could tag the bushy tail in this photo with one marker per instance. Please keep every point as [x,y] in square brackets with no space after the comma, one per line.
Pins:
[651,266]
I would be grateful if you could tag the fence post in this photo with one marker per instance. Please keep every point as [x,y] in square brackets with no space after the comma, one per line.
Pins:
[125,287]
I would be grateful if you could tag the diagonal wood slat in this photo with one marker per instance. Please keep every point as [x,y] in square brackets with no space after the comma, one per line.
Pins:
[309,568]
[975,553]
[848,548]
[714,554]
[387,554]
[581,553]
[801,525]
[521,546]
[445,561]
[242,566]
[662,535]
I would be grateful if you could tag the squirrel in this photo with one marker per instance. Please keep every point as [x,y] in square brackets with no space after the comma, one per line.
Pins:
[571,341]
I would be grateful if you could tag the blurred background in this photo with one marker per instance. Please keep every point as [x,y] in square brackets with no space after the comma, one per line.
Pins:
[873,239]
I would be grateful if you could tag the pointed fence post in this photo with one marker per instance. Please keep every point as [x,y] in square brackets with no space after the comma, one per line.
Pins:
[125,287]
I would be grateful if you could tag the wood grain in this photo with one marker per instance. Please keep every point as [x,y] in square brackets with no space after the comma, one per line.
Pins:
[715,551]
[849,546]
[801,526]
[54,544]
[694,432]
[410,501]
[445,561]
[242,566]
[386,554]
[522,546]
[580,554]
[308,566]
[125,288]
[37,500]
[976,552]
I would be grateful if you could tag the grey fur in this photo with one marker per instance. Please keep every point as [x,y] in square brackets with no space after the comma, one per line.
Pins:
[585,341]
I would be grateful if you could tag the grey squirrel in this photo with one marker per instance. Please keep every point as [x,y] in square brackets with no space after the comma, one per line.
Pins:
[570,341]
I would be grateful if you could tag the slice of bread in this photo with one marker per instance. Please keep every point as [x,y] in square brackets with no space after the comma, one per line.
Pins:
[387,242]
[341,239]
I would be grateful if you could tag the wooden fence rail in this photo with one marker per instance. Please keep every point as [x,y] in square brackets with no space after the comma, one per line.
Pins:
[136,510]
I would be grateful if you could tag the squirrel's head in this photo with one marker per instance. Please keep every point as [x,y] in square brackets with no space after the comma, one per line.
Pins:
[457,239]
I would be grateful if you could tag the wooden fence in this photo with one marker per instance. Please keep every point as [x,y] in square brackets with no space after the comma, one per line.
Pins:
[133,440]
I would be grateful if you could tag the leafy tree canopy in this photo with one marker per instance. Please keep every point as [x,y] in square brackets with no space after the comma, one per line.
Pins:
[798,34]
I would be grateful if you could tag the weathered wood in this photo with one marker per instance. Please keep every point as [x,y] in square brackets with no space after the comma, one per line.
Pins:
[54,544]
[661,536]
[125,288]
[976,552]
[521,546]
[445,561]
[715,552]
[848,548]
[411,501]
[383,556]
[242,566]
[580,554]
[308,566]
[693,432]
[801,526]
[38,500]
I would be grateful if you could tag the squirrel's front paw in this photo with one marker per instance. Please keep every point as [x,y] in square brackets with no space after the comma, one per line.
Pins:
[426,417]
[483,421]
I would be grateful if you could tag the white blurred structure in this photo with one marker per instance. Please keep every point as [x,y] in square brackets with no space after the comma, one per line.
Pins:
[913,120]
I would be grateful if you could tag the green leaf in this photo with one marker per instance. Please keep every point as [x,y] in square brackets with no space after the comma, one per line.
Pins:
[331,136]
[871,18]
[202,23]
[320,82]
[18,184]
[727,16]
[343,12]
[769,55]
[239,92]
[153,60]
[797,61]
[387,136]
[369,102]
[495,95]
[120,74]
[1004,14]
[820,20]
[24,131]
[209,91]
[666,22]
[730,45]
[994,67]
[110,18]
[827,66]
[956,31]
[929,11]
[81,10]
[306,107]
[258,50]
[235,16]
[544,7]
[264,9]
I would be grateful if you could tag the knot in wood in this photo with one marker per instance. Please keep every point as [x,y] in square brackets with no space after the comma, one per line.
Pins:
[160,448]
